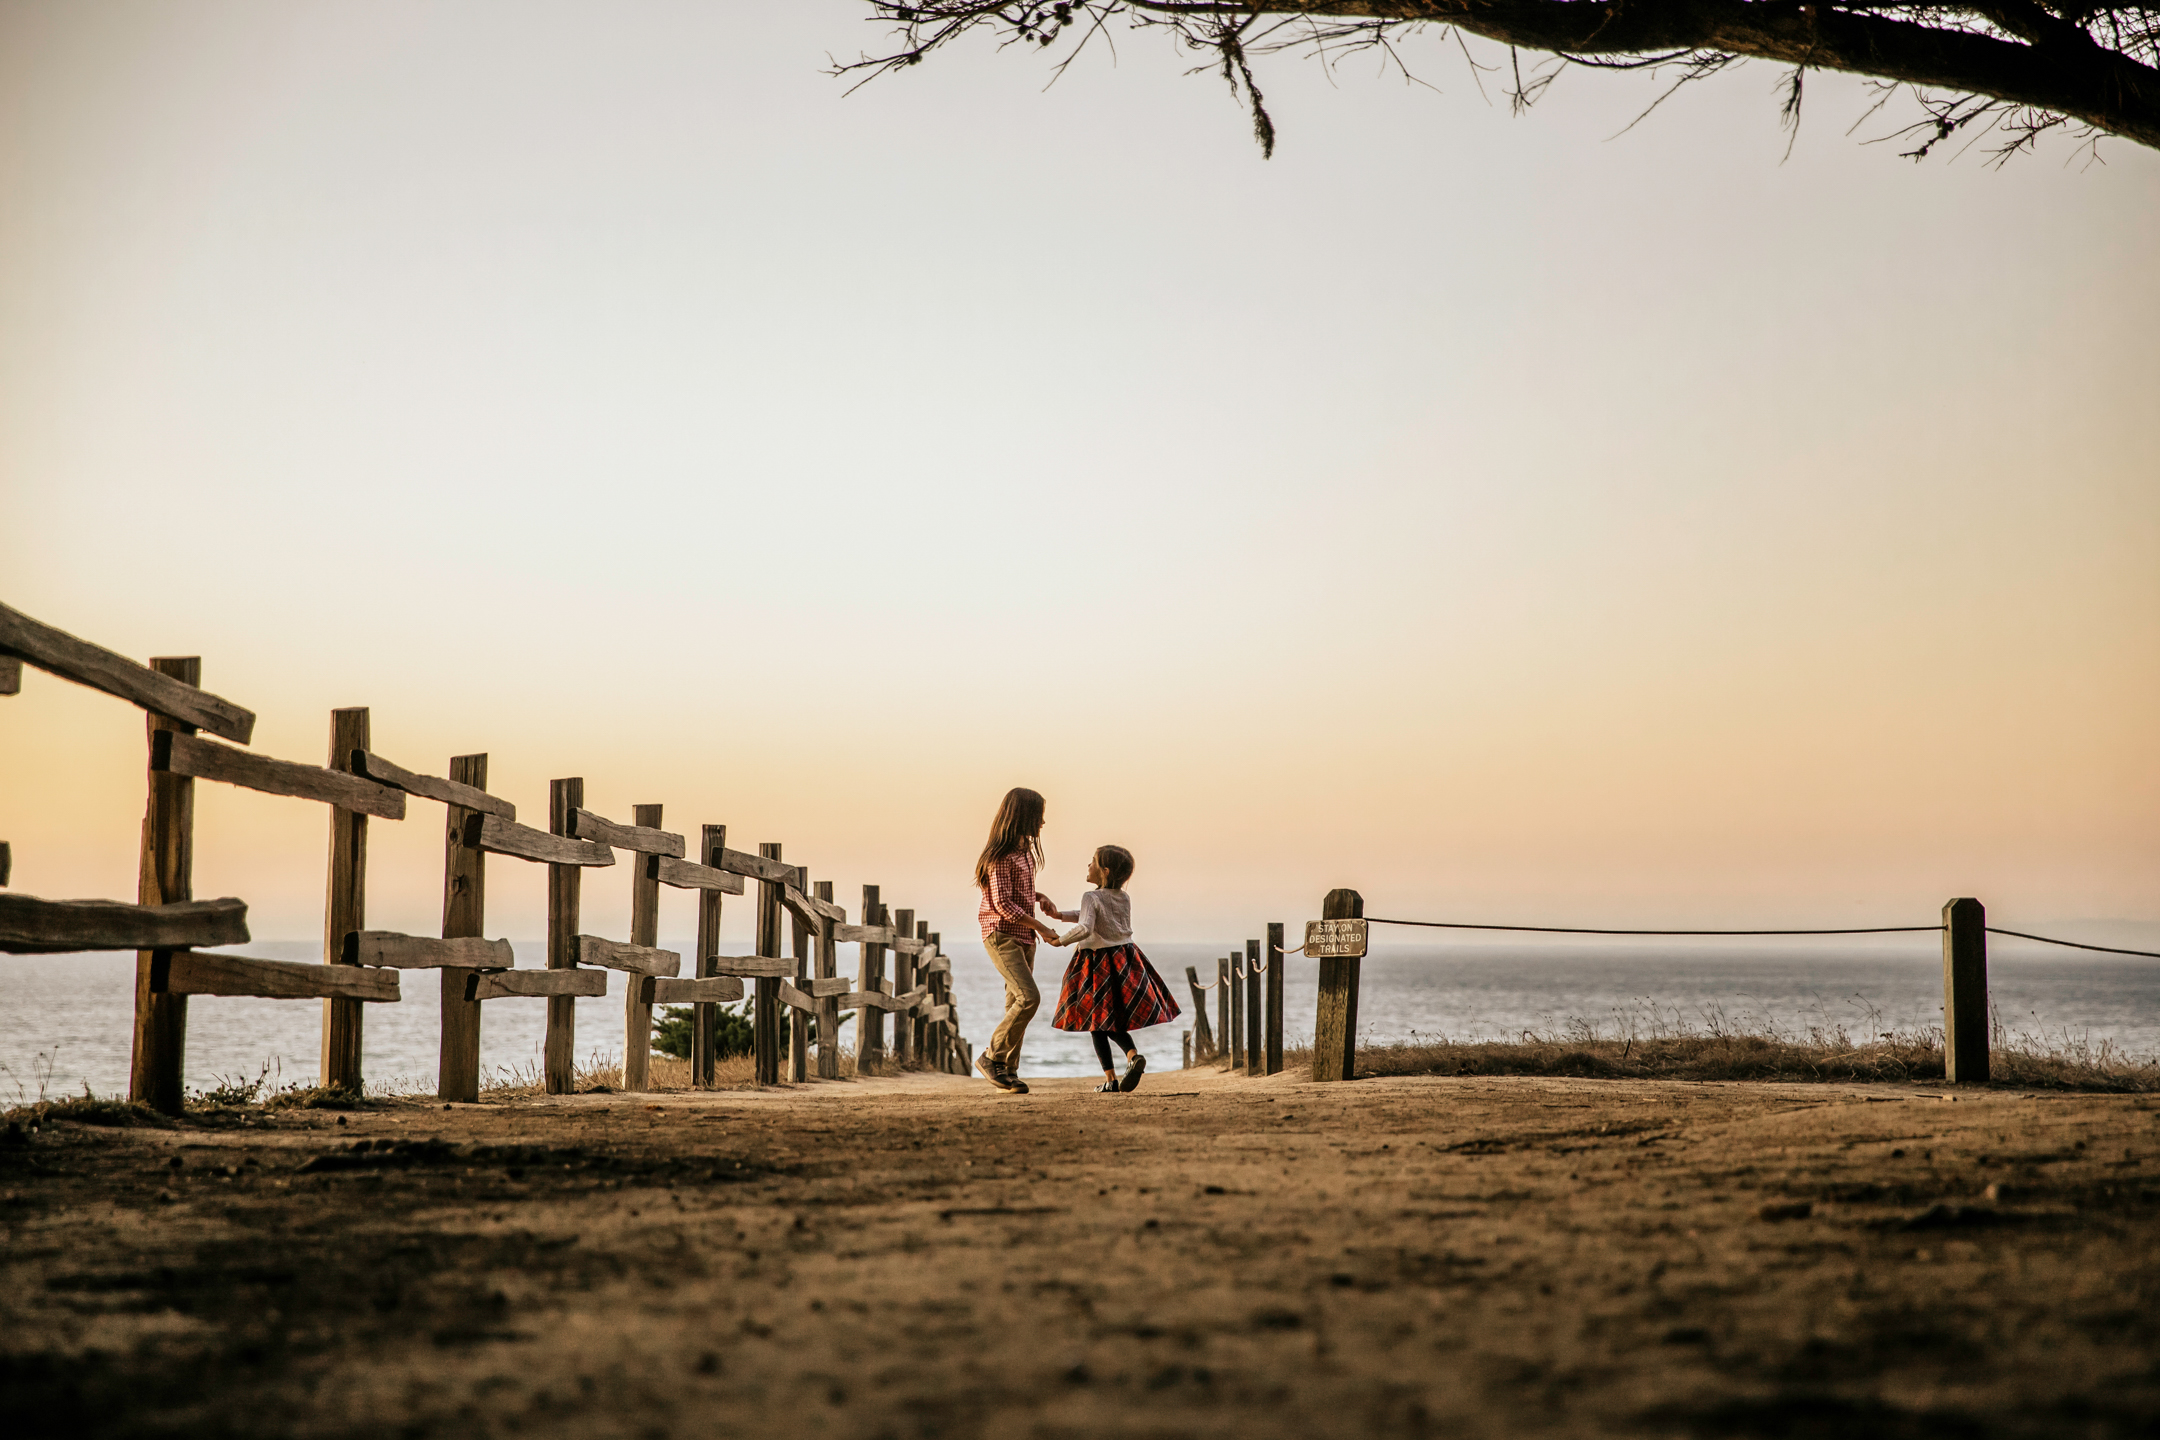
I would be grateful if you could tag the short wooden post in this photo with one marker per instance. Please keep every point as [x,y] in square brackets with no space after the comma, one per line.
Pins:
[457,1070]
[345,907]
[903,968]
[1204,1045]
[1236,1013]
[559,1058]
[828,1019]
[165,876]
[1965,998]
[1185,1043]
[705,1021]
[1228,1049]
[1275,958]
[1255,1061]
[798,1022]
[644,930]
[870,968]
[934,1033]
[918,1019]
[765,1017]
[1335,1027]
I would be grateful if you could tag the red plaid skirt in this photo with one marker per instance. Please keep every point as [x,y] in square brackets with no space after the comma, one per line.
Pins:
[1114,989]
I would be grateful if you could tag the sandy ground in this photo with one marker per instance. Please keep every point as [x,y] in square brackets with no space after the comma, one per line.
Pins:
[1207,1257]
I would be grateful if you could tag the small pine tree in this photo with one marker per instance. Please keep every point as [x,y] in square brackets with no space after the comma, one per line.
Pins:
[674,1026]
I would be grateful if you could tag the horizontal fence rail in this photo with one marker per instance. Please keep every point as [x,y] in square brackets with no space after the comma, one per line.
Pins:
[171,932]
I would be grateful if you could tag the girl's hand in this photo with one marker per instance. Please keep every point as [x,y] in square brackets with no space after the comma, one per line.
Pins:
[1047,905]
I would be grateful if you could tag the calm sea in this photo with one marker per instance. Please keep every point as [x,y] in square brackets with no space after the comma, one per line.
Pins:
[64,1019]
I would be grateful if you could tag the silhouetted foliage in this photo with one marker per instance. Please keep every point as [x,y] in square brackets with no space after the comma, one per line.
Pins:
[2013,69]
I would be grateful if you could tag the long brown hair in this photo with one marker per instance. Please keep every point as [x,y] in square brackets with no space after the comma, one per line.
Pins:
[1018,827]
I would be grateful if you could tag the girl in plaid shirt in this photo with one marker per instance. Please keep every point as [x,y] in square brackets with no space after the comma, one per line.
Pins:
[1006,874]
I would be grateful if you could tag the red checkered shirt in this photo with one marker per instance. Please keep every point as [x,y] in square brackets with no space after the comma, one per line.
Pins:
[1008,903]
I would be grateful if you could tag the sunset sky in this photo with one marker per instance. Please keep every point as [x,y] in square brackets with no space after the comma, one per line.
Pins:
[1507,517]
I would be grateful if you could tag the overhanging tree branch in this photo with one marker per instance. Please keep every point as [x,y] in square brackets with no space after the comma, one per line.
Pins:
[2028,65]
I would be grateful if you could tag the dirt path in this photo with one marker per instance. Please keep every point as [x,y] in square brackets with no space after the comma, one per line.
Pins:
[1207,1257]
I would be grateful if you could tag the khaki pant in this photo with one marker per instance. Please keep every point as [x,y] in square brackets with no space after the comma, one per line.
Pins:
[1015,960]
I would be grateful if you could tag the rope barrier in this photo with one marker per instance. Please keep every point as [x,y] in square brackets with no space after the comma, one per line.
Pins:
[1856,930]
[1584,930]
[2073,944]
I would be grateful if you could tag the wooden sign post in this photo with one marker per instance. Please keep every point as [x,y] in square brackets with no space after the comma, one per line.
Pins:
[1338,942]
[1965,999]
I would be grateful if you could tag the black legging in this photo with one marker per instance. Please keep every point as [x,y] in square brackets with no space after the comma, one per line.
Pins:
[1104,1039]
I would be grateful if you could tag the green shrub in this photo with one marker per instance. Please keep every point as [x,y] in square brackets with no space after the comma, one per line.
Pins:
[674,1026]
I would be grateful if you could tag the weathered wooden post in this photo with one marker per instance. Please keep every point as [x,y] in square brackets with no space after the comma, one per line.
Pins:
[559,1057]
[1185,1041]
[645,932]
[165,877]
[1204,1044]
[903,968]
[1341,949]
[705,1016]
[1255,1049]
[936,972]
[1275,958]
[798,1019]
[1240,1033]
[1965,998]
[765,1017]
[345,906]
[828,968]
[870,973]
[1222,1011]
[464,915]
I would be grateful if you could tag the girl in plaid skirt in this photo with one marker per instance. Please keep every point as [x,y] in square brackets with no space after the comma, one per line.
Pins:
[1110,988]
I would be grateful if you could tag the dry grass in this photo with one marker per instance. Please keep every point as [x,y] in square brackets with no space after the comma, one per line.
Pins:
[603,1074]
[1650,1045]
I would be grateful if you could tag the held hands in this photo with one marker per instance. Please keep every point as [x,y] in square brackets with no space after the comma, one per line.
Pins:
[1047,905]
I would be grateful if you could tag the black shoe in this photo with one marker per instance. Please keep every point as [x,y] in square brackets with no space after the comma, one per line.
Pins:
[1108,1087]
[1133,1072]
[997,1076]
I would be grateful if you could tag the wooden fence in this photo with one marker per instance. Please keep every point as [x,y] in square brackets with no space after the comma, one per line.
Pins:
[1247,1034]
[171,930]
[1247,1031]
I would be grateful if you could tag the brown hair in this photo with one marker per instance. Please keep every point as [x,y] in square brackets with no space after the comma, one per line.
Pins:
[1018,827]
[1116,862]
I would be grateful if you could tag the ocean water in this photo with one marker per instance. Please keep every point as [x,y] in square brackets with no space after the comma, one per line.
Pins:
[65,1019]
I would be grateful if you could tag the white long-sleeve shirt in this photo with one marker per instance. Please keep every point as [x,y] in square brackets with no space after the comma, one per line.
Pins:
[1105,918]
